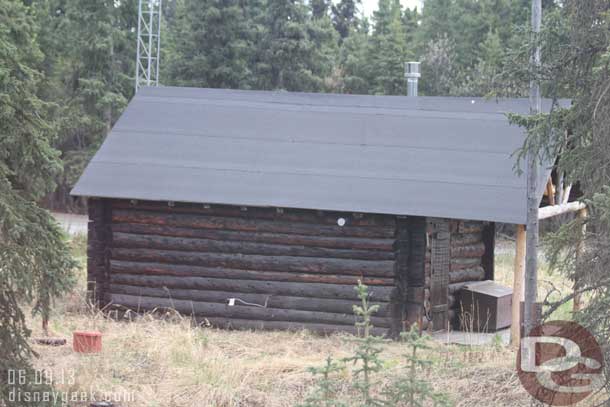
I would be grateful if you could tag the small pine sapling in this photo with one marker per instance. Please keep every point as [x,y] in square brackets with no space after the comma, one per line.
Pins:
[323,395]
[366,357]
[410,390]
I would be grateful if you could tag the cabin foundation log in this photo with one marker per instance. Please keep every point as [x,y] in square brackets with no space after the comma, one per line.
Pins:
[208,309]
[271,301]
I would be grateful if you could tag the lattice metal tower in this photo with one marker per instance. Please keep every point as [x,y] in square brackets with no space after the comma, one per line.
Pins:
[149,43]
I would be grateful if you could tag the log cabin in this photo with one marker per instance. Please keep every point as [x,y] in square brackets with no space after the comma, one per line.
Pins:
[257,209]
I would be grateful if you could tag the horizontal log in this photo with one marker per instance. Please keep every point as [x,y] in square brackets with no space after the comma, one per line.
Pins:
[353,243]
[464,263]
[380,268]
[554,210]
[463,239]
[312,290]
[322,329]
[292,215]
[471,250]
[129,267]
[208,309]
[130,240]
[470,226]
[473,274]
[248,225]
[272,301]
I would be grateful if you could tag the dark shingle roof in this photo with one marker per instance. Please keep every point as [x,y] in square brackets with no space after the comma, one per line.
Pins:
[428,156]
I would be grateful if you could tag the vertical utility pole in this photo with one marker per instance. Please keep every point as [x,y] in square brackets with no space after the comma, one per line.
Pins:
[149,43]
[531,264]
[519,272]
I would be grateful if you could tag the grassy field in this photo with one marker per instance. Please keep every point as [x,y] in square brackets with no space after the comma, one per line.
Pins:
[167,362]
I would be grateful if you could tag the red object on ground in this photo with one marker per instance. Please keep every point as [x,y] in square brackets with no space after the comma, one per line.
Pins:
[87,342]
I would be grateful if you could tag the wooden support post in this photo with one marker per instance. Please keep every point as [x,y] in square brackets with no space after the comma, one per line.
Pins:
[515,330]
[550,191]
[582,215]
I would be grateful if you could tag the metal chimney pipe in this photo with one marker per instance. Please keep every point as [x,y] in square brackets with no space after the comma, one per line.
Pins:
[412,74]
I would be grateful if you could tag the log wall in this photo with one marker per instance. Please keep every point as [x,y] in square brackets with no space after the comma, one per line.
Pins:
[280,268]
[98,250]
[287,268]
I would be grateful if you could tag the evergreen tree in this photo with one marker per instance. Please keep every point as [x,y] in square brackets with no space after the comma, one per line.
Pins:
[89,65]
[319,8]
[354,62]
[367,356]
[485,75]
[457,28]
[388,51]
[345,17]
[212,44]
[325,54]
[327,386]
[35,265]
[410,19]
[409,389]
[289,58]
[438,68]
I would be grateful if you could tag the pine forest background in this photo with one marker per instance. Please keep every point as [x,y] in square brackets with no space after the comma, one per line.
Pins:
[86,55]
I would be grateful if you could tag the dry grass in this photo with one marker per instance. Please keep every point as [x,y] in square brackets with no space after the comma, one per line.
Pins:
[551,284]
[169,362]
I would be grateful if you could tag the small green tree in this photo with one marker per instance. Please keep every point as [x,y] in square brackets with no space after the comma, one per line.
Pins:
[409,389]
[369,347]
[327,386]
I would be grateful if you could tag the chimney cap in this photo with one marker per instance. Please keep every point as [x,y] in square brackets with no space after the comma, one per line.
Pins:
[412,69]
